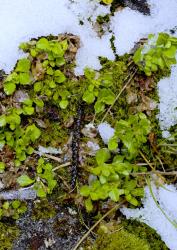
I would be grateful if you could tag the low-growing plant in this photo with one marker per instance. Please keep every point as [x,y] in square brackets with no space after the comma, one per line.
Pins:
[12,209]
[2,167]
[21,75]
[113,180]
[132,134]
[157,53]
[20,140]
[98,89]
[44,181]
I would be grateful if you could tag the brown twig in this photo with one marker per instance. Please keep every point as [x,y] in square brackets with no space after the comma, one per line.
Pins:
[96,224]
[55,158]
[61,166]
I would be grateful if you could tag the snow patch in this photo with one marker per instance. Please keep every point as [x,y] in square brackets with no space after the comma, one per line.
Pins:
[106,131]
[129,26]
[167,89]
[20,22]
[49,150]
[152,215]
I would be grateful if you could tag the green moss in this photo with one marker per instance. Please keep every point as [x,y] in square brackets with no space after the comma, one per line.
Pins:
[144,232]
[8,233]
[103,19]
[119,73]
[54,135]
[129,234]
[120,240]
[43,210]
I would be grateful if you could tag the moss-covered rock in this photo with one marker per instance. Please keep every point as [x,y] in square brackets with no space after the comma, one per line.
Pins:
[8,233]
[120,240]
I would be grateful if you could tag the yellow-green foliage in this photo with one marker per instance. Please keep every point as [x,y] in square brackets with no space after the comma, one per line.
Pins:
[107,1]
[120,240]
[8,234]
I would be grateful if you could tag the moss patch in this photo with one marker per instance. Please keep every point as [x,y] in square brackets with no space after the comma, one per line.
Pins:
[8,233]
[121,240]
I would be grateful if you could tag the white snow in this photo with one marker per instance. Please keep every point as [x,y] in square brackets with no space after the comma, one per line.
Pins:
[93,146]
[152,215]
[129,26]
[167,88]
[106,131]
[49,150]
[21,21]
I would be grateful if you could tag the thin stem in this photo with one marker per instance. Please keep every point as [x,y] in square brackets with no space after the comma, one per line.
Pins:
[62,166]
[96,224]
[155,172]
[119,94]
[50,157]
[146,160]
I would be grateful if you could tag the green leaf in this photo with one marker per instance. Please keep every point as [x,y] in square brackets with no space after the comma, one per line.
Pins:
[9,88]
[28,102]
[63,104]
[33,52]
[88,97]
[99,107]
[13,119]
[60,61]
[39,102]
[138,192]
[64,44]
[2,120]
[42,44]
[29,150]
[2,167]
[40,190]
[24,78]
[38,86]
[28,110]
[16,204]
[113,143]
[103,179]
[33,132]
[2,143]
[50,71]
[171,52]
[59,76]
[114,194]
[52,84]
[85,191]
[24,180]
[6,205]
[106,96]
[88,205]
[102,156]
[23,65]
[132,200]
[89,73]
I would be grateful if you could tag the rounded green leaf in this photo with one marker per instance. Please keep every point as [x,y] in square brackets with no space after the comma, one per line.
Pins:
[24,180]
[2,120]
[102,155]
[2,167]
[23,65]
[9,88]
[63,104]
[85,191]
